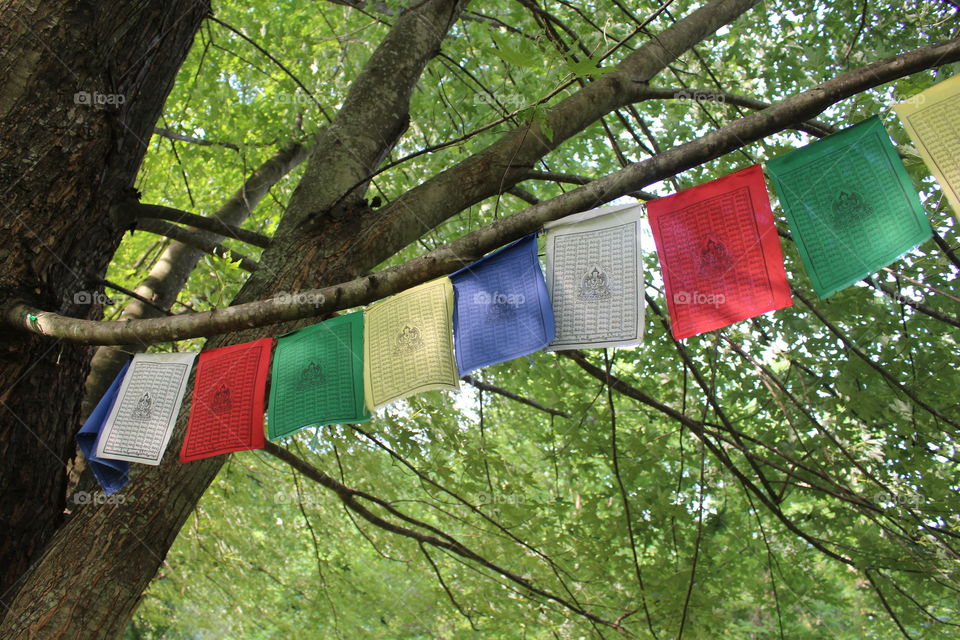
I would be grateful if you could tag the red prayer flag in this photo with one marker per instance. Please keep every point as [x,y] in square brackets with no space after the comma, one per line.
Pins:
[719,253]
[228,400]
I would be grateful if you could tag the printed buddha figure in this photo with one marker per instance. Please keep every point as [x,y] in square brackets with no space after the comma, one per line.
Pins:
[714,259]
[221,398]
[310,375]
[594,286]
[849,208]
[144,407]
[409,340]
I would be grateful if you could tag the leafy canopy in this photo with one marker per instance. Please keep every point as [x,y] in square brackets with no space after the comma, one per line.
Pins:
[860,468]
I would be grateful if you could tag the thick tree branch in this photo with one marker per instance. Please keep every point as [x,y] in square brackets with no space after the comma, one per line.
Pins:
[570,178]
[132,211]
[497,167]
[470,247]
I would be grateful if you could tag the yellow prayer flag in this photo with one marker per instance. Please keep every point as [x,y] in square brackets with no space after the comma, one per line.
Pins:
[932,118]
[408,344]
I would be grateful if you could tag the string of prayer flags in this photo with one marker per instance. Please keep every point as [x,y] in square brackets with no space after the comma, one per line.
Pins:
[111,474]
[141,420]
[318,377]
[227,410]
[850,205]
[407,344]
[595,278]
[501,307]
[932,118]
[719,253]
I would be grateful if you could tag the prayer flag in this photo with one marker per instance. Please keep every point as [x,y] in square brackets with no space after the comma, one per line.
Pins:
[228,395]
[501,307]
[318,376]
[407,344]
[141,420]
[932,118]
[595,278]
[850,205]
[719,253]
[111,474]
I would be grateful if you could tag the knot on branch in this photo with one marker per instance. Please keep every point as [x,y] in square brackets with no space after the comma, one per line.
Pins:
[123,212]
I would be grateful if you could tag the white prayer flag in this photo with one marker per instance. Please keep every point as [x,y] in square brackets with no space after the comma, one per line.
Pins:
[595,278]
[142,418]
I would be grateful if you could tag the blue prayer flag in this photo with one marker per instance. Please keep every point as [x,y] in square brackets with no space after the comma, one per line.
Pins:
[501,310]
[111,474]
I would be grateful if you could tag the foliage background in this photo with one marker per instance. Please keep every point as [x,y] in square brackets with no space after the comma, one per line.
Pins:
[268,554]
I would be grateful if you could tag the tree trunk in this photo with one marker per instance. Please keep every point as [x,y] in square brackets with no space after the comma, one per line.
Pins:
[103,558]
[83,85]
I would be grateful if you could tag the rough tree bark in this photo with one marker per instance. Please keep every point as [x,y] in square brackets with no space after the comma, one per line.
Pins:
[83,85]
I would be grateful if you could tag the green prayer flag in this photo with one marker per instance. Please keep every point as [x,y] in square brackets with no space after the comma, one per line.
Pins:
[850,204]
[317,377]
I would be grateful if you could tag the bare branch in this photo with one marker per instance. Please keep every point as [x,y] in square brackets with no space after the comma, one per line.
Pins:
[813,127]
[275,61]
[197,241]
[436,538]
[506,393]
[698,429]
[453,600]
[182,137]
[625,498]
[472,246]
[135,296]
[132,210]
[849,344]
